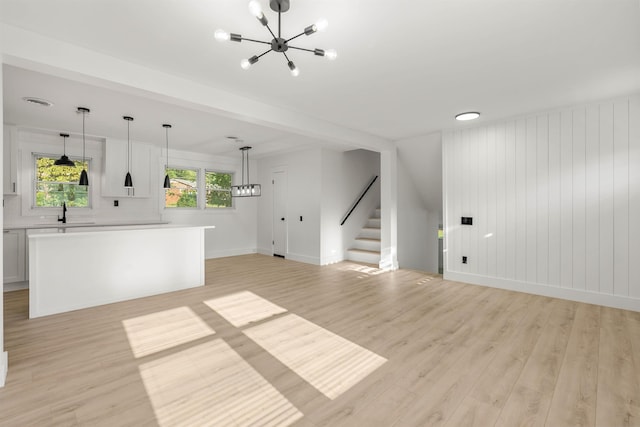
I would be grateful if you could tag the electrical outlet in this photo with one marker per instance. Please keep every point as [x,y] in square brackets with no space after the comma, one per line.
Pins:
[464,259]
[115,203]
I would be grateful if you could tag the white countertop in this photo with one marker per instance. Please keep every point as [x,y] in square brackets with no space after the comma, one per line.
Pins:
[82,230]
[80,224]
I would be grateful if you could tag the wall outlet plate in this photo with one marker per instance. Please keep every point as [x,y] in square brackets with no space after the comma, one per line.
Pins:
[115,203]
[466,220]
[464,259]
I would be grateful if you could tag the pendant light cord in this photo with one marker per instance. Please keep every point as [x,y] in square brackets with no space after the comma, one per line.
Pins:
[167,138]
[83,115]
[128,147]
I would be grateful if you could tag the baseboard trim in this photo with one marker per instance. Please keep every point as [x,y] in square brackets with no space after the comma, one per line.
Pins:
[588,297]
[16,286]
[4,367]
[303,258]
[230,252]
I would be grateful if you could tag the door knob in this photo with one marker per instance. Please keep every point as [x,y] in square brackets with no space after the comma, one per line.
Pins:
[281,219]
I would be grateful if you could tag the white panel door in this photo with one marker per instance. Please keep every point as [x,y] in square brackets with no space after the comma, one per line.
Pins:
[279,181]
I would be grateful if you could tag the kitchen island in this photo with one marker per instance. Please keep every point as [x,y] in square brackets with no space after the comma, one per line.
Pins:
[80,267]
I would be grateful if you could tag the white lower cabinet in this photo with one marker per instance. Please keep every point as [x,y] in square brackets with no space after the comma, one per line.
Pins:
[14,255]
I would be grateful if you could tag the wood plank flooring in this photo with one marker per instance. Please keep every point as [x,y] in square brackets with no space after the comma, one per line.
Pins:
[447,354]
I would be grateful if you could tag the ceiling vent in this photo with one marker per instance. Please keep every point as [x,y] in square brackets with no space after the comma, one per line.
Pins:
[37,101]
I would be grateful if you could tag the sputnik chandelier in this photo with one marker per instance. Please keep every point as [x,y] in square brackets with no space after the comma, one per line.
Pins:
[278,43]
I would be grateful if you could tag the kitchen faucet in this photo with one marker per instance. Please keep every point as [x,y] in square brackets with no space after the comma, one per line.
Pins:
[64,213]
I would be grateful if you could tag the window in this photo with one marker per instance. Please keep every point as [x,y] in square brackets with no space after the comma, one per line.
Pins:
[184,188]
[218,189]
[59,184]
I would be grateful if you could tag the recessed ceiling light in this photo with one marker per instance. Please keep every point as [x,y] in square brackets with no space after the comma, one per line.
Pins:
[471,115]
[232,137]
[37,101]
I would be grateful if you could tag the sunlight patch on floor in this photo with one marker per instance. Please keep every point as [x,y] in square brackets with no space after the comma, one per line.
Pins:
[163,330]
[371,271]
[242,308]
[211,385]
[327,361]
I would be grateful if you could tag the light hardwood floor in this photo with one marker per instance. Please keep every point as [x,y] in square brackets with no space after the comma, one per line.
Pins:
[440,353]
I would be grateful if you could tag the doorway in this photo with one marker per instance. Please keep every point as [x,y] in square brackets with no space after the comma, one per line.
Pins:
[279,242]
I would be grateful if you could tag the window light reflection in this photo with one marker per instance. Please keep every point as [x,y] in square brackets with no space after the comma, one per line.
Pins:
[163,330]
[327,361]
[210,384]
[242,308]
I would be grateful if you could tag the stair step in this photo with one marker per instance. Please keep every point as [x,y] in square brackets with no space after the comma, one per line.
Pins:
[362,255]
[370,233]
[373,223]
[367,243]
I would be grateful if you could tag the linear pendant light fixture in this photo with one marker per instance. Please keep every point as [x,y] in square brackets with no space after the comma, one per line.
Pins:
[245,190]
[128,182]
[278,44]
[64,160]
[84,178]
[167,181]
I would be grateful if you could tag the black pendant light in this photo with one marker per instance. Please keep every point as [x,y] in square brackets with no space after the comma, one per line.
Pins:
[84,177]
[167,181]
[64,160]
[128,182]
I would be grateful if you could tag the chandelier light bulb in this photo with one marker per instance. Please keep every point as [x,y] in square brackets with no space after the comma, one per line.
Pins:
[222,35]
[255,9]
[294,70]
[331,54]
[245,64]
[321,25]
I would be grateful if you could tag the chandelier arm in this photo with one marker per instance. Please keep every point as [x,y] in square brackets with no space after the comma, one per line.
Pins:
[286,57]
[301,48]
[264,53]
[269,28]
[295,37]
[255,41]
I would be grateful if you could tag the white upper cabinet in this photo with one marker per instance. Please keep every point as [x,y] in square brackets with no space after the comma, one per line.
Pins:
[115,169]
[10,161]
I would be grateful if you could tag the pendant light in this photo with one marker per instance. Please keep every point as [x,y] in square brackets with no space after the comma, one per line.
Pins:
[128,182]
[167,181]
[64,160]
[245,190]
[84,178]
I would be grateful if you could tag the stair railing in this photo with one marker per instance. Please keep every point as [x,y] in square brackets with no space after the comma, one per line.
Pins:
[355,205]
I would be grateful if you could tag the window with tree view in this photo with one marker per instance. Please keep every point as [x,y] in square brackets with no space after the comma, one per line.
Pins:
[184,188]
[218,186]
[59,184]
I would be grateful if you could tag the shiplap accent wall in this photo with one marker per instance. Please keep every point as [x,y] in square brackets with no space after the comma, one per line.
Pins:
[555,201]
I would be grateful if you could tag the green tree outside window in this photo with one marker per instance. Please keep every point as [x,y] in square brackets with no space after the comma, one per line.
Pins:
[56,185]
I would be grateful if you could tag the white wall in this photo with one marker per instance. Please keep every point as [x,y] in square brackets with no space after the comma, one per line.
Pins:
[554,199]
[419,201]
[3,355]
[322,185]
[303,199]
[417,227]
[236,228]
[345,176]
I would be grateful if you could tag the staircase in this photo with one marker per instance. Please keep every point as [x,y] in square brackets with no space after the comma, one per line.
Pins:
[366,247]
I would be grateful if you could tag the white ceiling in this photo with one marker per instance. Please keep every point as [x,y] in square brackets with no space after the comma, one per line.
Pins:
[404,68]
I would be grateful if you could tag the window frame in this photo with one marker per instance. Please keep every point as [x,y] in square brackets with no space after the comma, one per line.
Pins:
[197,170]
[34,181]
[217,208]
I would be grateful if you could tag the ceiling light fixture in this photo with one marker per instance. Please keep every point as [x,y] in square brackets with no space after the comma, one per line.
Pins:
[278,43]
[64,160]
[470,115]
[167,181]
[84,178]
[245,190]
[37,101]
[128,182]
